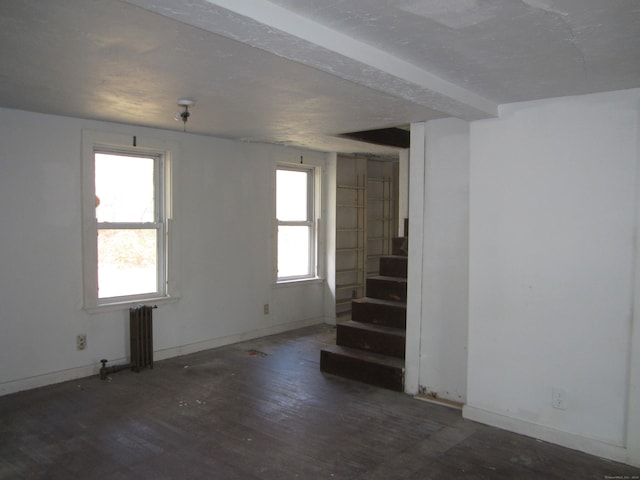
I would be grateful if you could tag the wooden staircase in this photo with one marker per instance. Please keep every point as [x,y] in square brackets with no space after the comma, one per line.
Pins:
[370,347]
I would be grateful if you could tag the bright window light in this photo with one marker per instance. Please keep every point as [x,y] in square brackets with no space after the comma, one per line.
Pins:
[296,223]
[130,225]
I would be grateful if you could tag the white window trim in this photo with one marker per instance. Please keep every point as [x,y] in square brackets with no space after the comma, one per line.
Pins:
[125,143]
[314,214]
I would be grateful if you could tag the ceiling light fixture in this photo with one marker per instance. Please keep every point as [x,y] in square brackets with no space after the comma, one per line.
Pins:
[184,114]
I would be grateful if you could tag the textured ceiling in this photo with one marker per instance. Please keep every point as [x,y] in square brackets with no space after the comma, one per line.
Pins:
[301,71]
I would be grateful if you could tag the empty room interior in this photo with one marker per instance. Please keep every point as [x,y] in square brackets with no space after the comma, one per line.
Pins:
[346,239]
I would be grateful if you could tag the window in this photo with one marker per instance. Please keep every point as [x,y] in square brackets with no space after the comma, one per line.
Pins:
[296,221]
[125,216]
[130,224]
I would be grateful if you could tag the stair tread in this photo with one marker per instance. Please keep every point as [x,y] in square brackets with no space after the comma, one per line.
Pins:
[365,356]
[380,301]
[374,328]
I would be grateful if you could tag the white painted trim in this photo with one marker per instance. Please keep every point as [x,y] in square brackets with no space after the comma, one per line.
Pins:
[415,272]
[128,142]
[7,388]
[403,189]
[313,203]
[14,386]
[558,437]
[328,233]
[113,307]
[443,402]
[236,338]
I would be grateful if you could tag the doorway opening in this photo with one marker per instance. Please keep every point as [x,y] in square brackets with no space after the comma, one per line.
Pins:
[366,222]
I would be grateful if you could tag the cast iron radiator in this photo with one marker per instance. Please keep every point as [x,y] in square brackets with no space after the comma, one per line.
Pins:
[141,337]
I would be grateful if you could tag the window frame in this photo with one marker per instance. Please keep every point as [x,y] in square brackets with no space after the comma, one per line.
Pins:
[313,190]
[163,153]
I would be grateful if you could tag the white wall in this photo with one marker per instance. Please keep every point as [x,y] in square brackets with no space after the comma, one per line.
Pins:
[439,259]
[445,284]
[417,164]
[224,229]
[553,217]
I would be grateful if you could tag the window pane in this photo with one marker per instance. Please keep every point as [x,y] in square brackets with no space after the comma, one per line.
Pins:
[124,188]
[293,251]
[291,195]
[127,262]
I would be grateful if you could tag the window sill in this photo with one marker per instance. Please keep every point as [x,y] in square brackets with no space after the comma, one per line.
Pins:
[299,282]
[110,307]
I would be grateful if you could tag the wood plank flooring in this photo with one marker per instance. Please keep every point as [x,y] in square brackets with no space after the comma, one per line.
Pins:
[261,410]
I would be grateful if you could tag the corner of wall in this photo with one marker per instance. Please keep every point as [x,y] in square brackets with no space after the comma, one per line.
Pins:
[558,437]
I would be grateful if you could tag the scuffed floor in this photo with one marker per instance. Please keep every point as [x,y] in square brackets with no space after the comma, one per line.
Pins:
[261,410]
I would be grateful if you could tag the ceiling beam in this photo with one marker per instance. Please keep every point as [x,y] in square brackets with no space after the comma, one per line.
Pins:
[279,31]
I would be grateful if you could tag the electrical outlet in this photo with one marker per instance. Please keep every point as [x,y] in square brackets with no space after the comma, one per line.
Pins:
[266,309]
[559,398]
[81,342]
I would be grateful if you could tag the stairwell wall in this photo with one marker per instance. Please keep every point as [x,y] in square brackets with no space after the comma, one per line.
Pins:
[446,260]
[439,285]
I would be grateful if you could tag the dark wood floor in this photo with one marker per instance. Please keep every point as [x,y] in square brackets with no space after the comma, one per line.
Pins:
[261,410]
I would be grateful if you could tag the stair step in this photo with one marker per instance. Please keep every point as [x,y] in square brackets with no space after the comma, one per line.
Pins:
[371,338]
[400,246]
[393,266]
[372,368]
[379,312]
[387,288]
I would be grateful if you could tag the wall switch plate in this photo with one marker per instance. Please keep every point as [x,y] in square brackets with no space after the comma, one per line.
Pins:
[266,309]
[81,342]
[559,398]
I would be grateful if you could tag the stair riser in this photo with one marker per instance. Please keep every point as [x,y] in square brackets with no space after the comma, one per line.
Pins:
[370,341]
[356,369]
[387,315]
[393,266]
[400,246]
[387,289]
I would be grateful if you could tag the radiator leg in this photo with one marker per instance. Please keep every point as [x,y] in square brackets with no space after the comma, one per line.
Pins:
[105,371]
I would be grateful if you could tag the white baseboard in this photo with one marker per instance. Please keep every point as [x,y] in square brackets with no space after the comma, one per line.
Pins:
[231,339]
[443,402]
[558,437]
[43,380]
[48,379]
